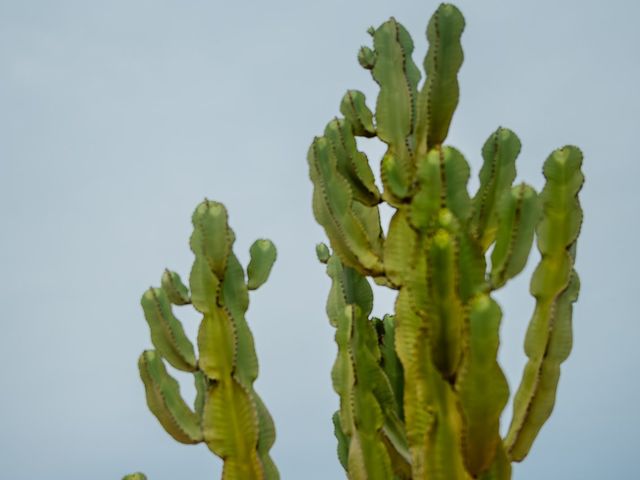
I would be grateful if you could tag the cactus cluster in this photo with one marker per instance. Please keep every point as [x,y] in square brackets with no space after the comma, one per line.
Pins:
[421,391]
[228,415]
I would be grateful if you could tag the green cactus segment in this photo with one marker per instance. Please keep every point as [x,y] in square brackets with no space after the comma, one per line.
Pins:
[366,58]
[230,428]
[390,361]
[398,78]
[447,311]
[135,476]
[442,178]
[323,253]
[519,212]
[555,286]
[201,383]
[439,95]
[400,240]
[165,401]
[263,255]
[351,163]
[176,291]
[167,333]
[481,385]
[354,108]
[368,418]
[496,177]
[333,208]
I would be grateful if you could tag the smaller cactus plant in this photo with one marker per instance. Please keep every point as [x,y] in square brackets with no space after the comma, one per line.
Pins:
[228,415]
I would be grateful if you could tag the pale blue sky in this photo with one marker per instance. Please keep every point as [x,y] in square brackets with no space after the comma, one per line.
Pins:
[118,117]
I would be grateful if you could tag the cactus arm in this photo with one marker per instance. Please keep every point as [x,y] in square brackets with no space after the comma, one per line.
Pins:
[352,164]
[519,212]
[167,333]
[354,108]
[263,255]
[201,384]
[165,401]
[438,98]
[135,476]
[397,76]
[390,361]
[176,291]
[332,207]
[497,174]
[442,178]
[555,286]
[481,385]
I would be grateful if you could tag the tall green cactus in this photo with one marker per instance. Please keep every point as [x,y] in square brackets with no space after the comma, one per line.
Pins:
[421,392]
[228,415]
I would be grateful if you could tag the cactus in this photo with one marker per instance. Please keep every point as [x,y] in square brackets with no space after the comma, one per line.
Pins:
[421,391]
[228,415]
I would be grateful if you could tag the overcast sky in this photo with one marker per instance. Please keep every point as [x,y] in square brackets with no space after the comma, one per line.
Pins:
[118,117]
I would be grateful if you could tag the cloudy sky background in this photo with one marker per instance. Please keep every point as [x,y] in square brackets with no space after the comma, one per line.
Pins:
[117,118]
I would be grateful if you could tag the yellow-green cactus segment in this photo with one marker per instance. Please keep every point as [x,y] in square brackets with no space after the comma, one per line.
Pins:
[398,77]
[481,386]
[263,255]
[497,174]
[176,291]
[366,58]
[333,209]
[438,98]
[167,333]
[230,429]
[135,476]
[555,286]
[401,241]
[352,164]
[354,108]
[165,401]
[446,313]
[442,183]
[518,214]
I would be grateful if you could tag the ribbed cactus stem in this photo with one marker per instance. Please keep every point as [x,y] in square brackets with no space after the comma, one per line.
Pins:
[437,355]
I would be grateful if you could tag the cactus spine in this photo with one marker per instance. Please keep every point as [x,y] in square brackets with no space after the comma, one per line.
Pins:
[228,415]
[421,391]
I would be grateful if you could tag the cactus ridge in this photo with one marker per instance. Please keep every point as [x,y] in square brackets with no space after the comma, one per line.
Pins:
[445,394]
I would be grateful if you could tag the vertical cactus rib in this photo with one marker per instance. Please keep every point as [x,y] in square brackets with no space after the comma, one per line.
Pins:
[438,98]
[167,333]
[519,212]
[165,401]
[398,77]
[497,174]
[481,385]
[263,255]
[555,287]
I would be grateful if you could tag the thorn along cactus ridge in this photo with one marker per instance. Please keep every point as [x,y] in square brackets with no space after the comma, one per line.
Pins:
[421,391]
